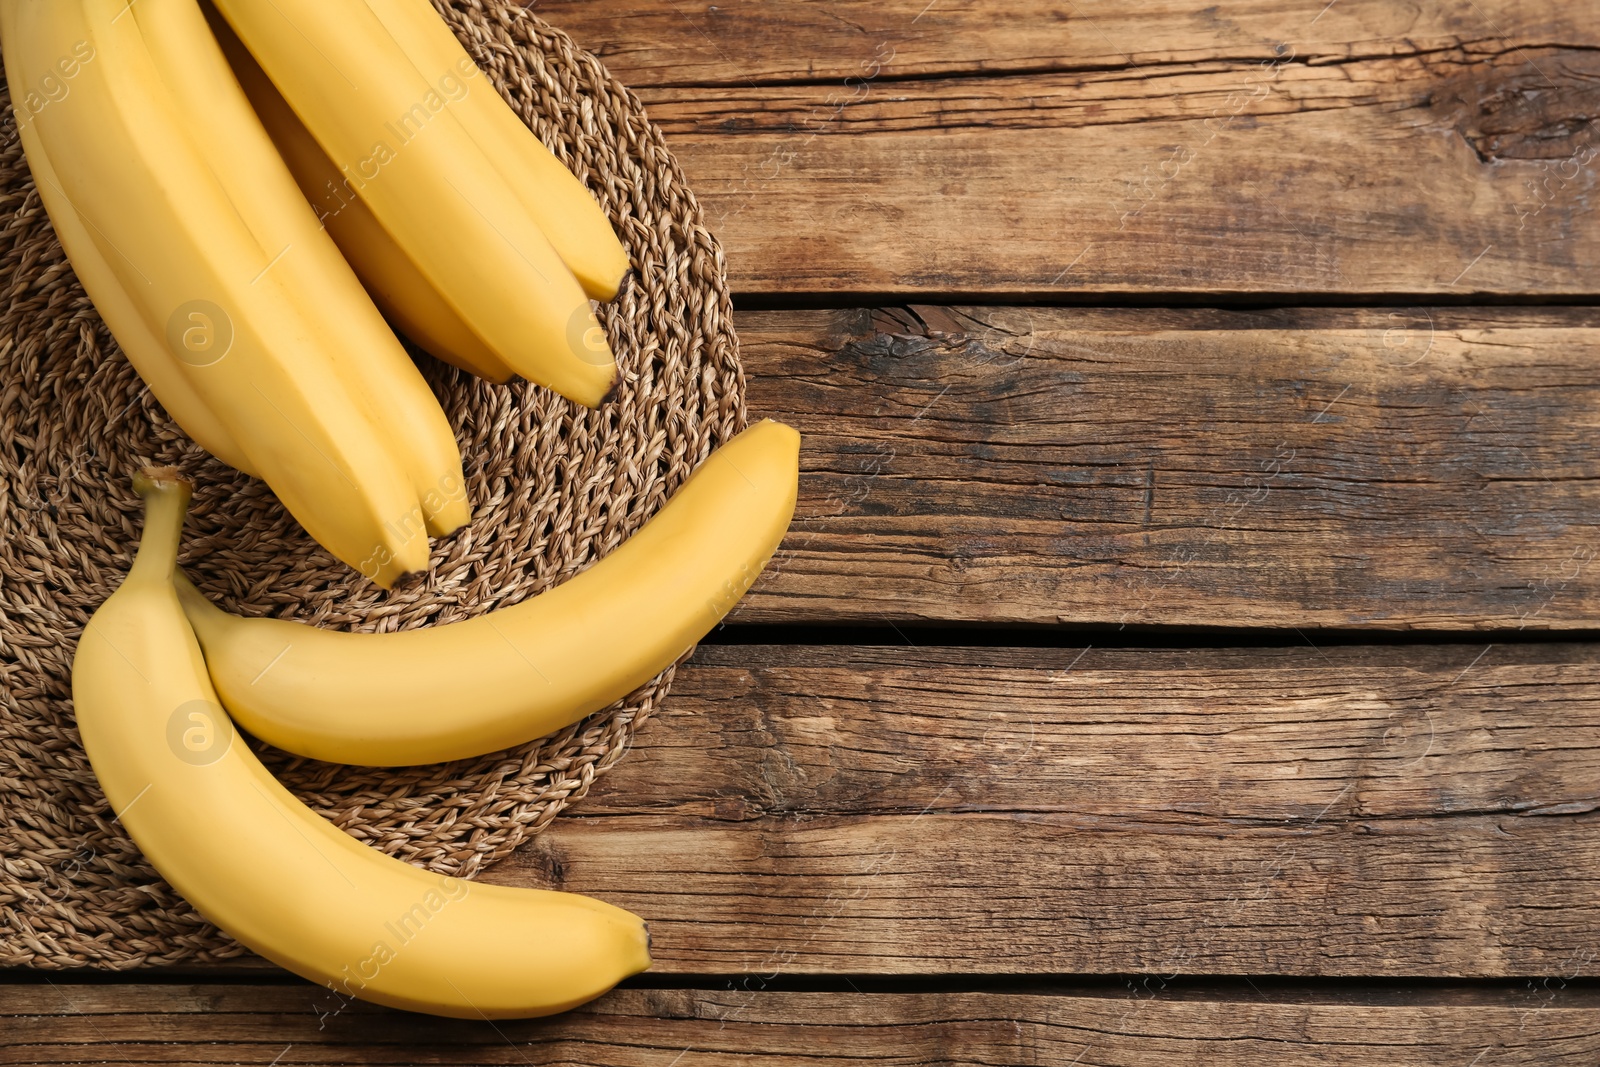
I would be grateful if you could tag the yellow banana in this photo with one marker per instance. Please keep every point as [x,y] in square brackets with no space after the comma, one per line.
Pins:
[557,200]
[406,154]
[147,352]
[273,874]
[175,242]
[401,290]
[367,354]
[483,684]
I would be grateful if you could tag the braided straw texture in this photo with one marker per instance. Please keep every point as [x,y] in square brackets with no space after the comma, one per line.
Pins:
[554,488]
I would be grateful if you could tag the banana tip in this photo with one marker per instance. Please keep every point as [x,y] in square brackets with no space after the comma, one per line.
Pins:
[779,429]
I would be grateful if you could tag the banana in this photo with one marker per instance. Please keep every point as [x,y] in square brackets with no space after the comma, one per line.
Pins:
[147,352]
[179,249]
[273,874]
[407,155]
[487,683]
[395,283]
[557,200]
[367,354]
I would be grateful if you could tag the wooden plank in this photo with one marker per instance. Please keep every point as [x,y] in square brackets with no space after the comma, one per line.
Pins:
[1418,468]
[1014,893]
[1200,737]
[660,43]
[293,1024]
[1386,812]
[1154,149]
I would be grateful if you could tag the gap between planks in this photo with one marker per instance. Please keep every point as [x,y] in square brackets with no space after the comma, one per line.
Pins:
[217,1023]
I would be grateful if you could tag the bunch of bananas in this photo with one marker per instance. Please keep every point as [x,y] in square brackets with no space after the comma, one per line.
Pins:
[181,168]
[251,193]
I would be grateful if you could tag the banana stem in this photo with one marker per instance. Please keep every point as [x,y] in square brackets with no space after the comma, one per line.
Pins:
[166,501]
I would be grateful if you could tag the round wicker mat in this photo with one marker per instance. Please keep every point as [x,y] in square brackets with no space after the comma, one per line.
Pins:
[554,488]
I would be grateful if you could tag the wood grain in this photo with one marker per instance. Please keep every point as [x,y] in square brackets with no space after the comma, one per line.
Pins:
[1071,149]
[1345,812]
[1414,468]
[1276,737]
[1014,893]
[661,43]
[1542,1026]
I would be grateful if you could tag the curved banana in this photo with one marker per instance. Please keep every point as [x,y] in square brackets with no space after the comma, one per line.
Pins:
[148,353]
[483,684]
[369,357]
[402,150]
[178,247]
[396,285]
[566,211]
[273,874]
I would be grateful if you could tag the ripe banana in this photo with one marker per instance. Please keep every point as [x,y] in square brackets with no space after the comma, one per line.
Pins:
[557,200]
[402,150]
[147,352]
[176,244]
[466,688]
[368,356]
[396,285]
[274,875]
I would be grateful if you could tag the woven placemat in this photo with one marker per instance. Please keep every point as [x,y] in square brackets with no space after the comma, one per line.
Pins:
[554,488]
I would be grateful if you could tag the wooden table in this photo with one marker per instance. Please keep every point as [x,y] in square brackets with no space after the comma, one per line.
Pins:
[1183,650]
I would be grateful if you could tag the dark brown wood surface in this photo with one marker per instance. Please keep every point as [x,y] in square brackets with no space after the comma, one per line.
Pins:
[1536,1025]
[651,44]
[1047,894]
[1362,147]
[1409,468]
[1272,737]
[1342,811]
